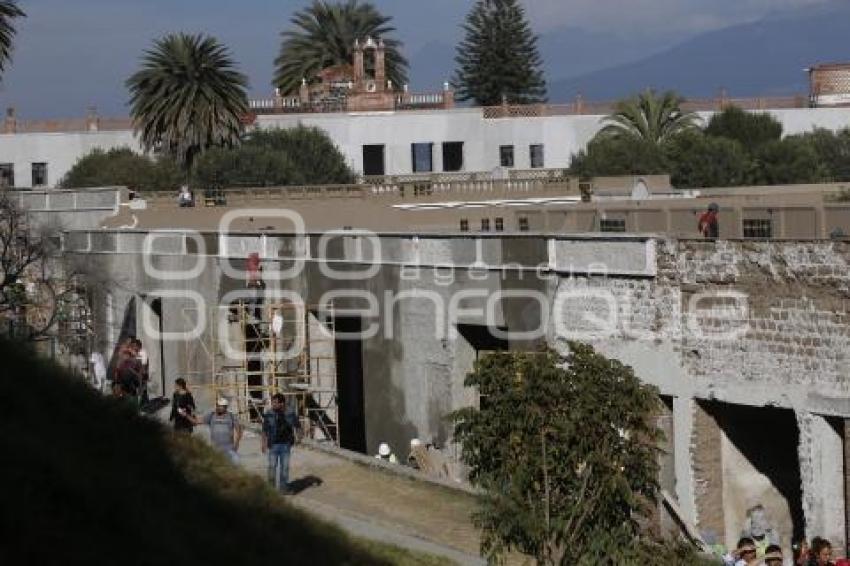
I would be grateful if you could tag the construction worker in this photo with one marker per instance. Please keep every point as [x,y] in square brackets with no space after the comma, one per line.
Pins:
[225,430]
[279,434]
[773,556]
[708,225]
[386,454]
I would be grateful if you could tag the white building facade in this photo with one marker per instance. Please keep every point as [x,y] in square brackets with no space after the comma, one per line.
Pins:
[384,143]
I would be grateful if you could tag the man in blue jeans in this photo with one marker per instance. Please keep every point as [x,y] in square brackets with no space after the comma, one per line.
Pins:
[279,426]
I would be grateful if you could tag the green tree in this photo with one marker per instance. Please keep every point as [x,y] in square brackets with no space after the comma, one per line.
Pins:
[697,160]
[833,149]
[650,118]
[9,11]
[608,156]
[565,450]
[187,97]
[751,129]
[788,161]
[315,157]
[296,156]
[122,167]
[498,58]
[323,35]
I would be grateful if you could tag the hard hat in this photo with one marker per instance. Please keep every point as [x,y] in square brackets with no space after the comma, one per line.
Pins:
[414,442]
[714,207]
[384,449]
[222,402]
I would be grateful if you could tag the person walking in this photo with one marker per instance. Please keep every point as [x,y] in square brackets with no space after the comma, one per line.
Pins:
[279,428]
[225,430]
[182,407]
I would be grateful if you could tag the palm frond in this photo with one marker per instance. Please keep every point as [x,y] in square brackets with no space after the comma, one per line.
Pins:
[188,96]
[649,117]
[9,11]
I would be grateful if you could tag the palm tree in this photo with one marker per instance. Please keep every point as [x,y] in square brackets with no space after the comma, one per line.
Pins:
[323,36]
[650,118]
[9,10]
[188,97]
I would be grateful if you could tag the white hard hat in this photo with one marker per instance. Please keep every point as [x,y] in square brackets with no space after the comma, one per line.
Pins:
[414,442]
[222,402]
[384,449]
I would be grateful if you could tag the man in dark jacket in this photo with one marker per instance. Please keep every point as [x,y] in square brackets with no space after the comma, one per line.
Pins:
[279,434]
[182,407]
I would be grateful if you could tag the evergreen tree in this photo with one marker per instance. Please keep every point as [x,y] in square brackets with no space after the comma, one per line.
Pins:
[499,57]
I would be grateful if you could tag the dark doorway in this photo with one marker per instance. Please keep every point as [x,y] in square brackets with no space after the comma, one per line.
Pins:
[482,339]
[156,307]
[349,385]
[452,156]
[373,160]
[768,438]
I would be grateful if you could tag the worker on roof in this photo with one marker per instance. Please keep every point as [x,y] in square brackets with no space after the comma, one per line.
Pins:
[708,224]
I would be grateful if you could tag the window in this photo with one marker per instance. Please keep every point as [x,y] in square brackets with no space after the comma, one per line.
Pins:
[506,155]
[452,156]
[373,160]
[500,225]
[422,156]
[7,174]
[536,156]
[758,228]
[523,223]
[485,224]
[39,174]
[464,225]
[612,225]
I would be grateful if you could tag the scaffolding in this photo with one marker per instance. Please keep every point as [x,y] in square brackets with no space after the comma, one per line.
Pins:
[253,350]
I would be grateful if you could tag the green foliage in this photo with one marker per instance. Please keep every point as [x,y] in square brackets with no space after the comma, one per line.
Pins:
[297,156]
[498,56]
[833,149]
[788,161]
[9,10]
[85,478]
[316,158]
[122,167]
[649,118]
[323,35]
[566,453]
[187,97]
[752,130]
[697,160]
[607,156]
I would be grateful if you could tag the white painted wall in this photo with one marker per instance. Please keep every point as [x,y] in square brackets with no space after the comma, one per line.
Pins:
[59,150]
[561,136]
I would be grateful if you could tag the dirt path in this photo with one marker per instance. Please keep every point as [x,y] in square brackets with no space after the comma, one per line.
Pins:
[378,505]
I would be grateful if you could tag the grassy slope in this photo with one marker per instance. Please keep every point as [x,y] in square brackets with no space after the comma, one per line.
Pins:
[83,479]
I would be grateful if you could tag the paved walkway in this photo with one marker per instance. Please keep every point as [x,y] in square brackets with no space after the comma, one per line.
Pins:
[372,504]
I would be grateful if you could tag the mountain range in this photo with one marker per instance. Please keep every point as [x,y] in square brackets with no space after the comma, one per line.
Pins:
[767,57]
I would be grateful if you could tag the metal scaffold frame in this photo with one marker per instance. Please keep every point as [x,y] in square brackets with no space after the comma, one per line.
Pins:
[253,350]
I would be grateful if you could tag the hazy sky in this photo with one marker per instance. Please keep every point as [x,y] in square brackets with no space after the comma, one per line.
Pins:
[75,53]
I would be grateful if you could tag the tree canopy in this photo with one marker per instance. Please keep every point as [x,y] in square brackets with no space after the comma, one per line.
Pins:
[498,57]
[650,118]
[750,129]
[696,160]
[9,11]
[297,156]
[123,168]
[187,97]
[606,156]
[565,450]
[323,35]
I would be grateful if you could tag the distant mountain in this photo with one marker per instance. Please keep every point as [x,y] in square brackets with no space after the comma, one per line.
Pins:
[566,52]
[767,57]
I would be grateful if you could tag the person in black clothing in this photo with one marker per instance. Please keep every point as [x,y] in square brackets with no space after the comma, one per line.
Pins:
[182,407]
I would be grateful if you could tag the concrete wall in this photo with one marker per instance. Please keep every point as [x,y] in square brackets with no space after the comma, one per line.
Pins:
[59,150]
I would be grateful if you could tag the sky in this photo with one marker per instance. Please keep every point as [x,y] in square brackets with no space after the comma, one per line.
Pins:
[72,54]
